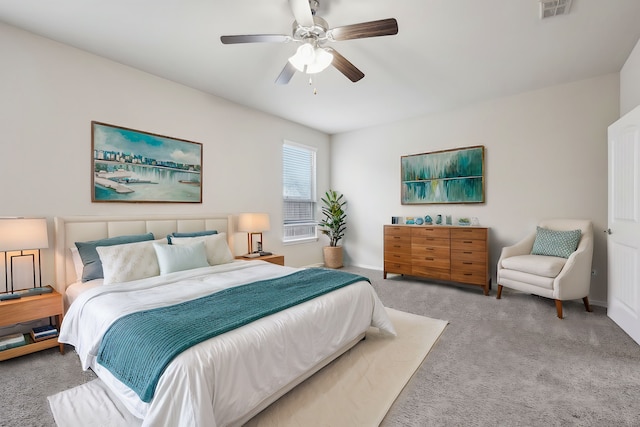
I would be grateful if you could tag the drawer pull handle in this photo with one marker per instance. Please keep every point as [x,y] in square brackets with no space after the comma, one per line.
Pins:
[468,274]
[397,246]
[429,258]
[468,241]
[396,237]
[468,263]
[467,253]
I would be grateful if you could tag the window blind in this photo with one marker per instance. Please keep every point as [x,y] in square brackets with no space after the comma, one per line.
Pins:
[298,190]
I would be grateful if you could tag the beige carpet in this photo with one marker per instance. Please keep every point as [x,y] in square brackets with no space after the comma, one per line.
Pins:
[358,388]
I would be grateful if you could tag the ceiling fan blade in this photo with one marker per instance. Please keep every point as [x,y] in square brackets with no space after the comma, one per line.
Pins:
[302,12]
[383,27]
[255,38]
[344,66]
[285,75]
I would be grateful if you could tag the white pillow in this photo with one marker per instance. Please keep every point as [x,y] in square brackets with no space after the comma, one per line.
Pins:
[130,261]
[78,266]
[218,251]
[181,257]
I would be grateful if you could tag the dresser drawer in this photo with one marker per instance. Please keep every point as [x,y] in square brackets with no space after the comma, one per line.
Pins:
[433,273]
[475,256]
[466,266]
[394,230]
[397,267]
[439,232]
[397,244]
[469,233]
[435,250]
[469,245]
[431,261]
[417,242]
[472,277]
[397,257]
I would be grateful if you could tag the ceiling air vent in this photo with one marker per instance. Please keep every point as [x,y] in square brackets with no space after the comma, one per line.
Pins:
[549,8]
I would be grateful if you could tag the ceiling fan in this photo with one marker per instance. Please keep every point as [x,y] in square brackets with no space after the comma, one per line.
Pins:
[313,34]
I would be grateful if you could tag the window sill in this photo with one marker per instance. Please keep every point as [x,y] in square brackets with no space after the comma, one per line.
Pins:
[300,241]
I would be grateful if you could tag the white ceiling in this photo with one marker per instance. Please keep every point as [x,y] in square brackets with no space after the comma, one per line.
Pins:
[447,54]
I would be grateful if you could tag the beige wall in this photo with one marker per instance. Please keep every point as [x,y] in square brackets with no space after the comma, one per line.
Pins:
[630,82]
[546,157]
[51,92]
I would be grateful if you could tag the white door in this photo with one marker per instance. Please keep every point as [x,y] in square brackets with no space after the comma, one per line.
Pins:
[624,224]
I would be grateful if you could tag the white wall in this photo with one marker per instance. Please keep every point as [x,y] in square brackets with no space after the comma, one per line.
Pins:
[51,92]
[545,157]
[630,82]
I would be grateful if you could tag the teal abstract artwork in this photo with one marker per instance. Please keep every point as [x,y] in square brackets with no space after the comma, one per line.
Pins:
[135,166]
[449,176]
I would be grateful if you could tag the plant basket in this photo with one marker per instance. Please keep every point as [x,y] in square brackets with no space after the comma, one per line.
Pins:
[332,256]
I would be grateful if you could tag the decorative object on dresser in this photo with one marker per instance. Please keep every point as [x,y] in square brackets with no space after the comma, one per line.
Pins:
[28,308]
[448,253]
[333,225]
[134,166]
[447,176]
[19,234]
[553,262]
[254,224]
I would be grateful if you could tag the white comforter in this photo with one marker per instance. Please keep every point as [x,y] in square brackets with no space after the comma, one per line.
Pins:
[219,381]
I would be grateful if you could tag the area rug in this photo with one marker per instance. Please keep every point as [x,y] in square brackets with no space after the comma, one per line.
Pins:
[358,388]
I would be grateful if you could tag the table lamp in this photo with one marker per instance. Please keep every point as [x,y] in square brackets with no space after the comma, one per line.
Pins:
[19,234]
[254,224]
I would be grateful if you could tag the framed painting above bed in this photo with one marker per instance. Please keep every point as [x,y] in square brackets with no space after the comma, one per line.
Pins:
[129,165]
[447,176]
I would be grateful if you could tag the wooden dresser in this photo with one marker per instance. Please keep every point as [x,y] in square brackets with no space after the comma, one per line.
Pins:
[441,252]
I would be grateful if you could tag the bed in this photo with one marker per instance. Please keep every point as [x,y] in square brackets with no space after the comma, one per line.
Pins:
[226,379]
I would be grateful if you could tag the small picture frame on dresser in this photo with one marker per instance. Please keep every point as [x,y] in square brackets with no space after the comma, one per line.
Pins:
[397,220]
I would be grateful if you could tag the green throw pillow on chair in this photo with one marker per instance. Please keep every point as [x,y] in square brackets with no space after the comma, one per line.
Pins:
[555,243]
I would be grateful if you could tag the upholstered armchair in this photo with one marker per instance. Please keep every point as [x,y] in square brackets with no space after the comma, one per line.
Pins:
[552,262]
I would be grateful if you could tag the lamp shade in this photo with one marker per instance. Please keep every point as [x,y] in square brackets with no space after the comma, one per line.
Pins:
[320,62]
[311,60]
[18,234]
[253,222]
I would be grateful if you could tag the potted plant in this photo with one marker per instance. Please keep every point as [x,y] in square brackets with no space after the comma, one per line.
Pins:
[333,225]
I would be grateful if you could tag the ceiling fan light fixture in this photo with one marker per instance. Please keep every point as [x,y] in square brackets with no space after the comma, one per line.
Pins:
[321,61]
[304,56]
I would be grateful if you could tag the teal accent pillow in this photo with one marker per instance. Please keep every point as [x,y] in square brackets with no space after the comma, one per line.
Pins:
[192,234]
[555,243]
[180,257]
[90,258]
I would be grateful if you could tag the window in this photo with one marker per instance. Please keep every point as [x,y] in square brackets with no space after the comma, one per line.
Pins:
[299,192]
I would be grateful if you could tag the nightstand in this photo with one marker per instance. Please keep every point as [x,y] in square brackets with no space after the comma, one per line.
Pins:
[30,308]
[273,259]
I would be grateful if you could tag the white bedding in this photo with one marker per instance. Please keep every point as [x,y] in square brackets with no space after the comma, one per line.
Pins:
[219,381]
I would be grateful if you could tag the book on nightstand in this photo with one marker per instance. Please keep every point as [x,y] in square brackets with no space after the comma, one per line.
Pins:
[11,341]
[41,333]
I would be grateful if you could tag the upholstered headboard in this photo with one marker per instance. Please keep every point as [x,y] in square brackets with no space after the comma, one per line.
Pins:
[69,230]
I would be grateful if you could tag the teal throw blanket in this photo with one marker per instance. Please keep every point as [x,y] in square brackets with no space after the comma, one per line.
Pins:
[137,348]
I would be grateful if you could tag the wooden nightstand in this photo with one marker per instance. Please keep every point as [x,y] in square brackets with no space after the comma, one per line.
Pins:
[273,259]
[30,308]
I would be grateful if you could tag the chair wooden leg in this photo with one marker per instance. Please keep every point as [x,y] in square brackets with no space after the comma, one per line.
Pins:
[499,295]
[586,304]
[559,308]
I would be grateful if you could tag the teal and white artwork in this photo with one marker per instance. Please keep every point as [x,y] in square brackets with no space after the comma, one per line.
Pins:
[134,166]
[449,176]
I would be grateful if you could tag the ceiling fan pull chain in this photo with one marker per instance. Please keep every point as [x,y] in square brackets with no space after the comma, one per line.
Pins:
[315,90]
